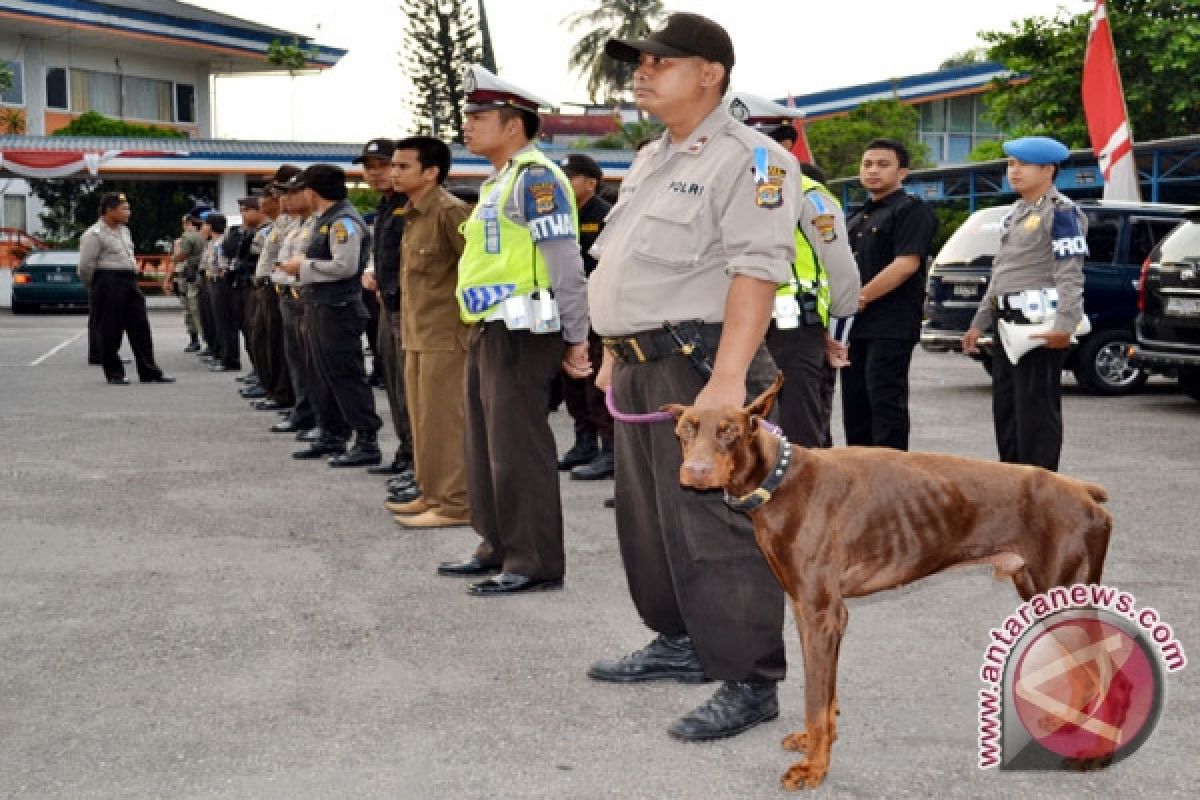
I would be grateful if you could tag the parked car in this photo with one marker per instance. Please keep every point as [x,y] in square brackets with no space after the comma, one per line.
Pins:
[1120,237]
[1168,325]
[48,278]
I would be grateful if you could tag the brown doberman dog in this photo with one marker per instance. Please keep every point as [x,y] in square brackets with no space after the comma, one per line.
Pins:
[853,521]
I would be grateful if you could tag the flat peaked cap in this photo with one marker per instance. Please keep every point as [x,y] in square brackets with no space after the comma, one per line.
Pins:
[376,148]
[486,91]
[754,110]
[682,36]
[1037,150]
[581,164]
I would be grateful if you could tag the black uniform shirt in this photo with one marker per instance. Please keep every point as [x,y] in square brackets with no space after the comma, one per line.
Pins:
[591,222]
[389,228]
[897,225]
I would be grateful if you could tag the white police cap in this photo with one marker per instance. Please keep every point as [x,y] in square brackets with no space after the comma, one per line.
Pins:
[486,91]
[754,110]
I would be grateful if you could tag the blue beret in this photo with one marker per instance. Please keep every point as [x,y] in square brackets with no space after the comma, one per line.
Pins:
[1037,150]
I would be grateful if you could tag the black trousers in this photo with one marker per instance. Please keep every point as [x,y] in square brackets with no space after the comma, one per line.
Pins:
[371,302]
[245,301]
[227,317]
[208,320]
[391,360]
[335,338]
[296,355]
[806,400]
[95,351]
[692,563]
[585,403]
[1027,406]
[512,473]
[120,310]
[875,392]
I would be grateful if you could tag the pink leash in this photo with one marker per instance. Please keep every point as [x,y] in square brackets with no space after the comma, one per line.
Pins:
[659,416]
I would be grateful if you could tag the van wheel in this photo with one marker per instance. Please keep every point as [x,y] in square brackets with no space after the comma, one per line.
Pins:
[1102,364]
[1189,382]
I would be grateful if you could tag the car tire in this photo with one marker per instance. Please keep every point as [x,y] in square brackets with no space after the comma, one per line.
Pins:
[1102,364]
[21,308]
[1189,382]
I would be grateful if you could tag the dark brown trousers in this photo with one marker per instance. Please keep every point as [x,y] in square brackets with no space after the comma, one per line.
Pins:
[806,399]
[585,403]
[267,347]
[512,474]
[692,563]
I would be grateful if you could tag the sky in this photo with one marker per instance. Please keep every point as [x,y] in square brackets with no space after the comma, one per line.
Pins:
[782,48]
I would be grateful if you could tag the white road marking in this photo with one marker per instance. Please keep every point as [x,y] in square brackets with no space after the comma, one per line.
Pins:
[56,348]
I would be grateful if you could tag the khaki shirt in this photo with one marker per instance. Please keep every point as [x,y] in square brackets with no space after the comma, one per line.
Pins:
[272,244]
[429,254]
[346,241]
[212,262]
[102,247]
[295,243]
[191,244]
[689,218]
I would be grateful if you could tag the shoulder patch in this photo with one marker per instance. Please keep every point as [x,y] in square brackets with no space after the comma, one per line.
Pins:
[1067,239]
[768,187]
[341,230]
[826,227]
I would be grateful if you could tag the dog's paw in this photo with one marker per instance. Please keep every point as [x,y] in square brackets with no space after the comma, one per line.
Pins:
[804,775]
[796,742]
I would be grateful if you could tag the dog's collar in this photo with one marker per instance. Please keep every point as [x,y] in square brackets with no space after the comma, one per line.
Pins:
[760,496]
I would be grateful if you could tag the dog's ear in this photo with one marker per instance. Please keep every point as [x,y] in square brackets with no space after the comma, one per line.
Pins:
[762,404]
[674,409]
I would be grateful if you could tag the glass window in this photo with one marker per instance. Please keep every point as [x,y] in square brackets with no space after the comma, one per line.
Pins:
[95,91]
[959,147]
[936,144]
[14,211]
[1103,232]
[961,113]
[1182,246]
[185,102]
[933,116]
[1144,234]
[982,123]
[56,88]
[15,94]
[146,98]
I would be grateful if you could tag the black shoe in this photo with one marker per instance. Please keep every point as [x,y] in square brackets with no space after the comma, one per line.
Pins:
[511,583]
[365,453]
[309,435]
[583,451]
[610,502]
[205,353]
[249,378]
[219,367]
[192,347]
[599,468]
[320,449]
[285,426]
[404,495]
[469,567]
[253,393]
[396,468]
[158,379]
[403,480]
[269,405]
[117,380]
[665,658]
[735,707]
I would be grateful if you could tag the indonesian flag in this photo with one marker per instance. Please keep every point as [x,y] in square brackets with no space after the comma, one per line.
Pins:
[1104,107]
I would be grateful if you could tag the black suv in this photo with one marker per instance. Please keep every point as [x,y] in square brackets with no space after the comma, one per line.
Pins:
[1168,327]
[1120,237]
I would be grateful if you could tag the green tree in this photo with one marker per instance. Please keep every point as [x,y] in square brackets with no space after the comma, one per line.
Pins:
[837,143]
[292,56]
[986,150]
[619,19]
[629,135]
[6,77]
[441,41]
[975,55]
[1157,44]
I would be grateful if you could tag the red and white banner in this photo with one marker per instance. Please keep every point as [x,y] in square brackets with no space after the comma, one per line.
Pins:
[54,163]
[1104,107]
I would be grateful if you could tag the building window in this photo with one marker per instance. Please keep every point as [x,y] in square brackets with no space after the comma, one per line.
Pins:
[149,99]
[95,91]
[56,88]
[15,94]
[14,212]
[952,127]
[185,102]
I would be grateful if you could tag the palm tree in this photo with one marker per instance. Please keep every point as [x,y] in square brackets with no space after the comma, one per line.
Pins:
[620,19]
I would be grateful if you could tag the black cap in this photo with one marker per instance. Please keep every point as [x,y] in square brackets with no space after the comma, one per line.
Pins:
[684,35]
[216,220]
[112,200]
[282,175]
[198,213]
[376,148]
[248,202]
[580,164]
[327,180]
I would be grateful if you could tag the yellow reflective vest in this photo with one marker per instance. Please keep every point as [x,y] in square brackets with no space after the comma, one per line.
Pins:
[809,276]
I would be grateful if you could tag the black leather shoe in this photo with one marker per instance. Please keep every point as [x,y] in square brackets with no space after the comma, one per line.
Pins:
[511,583]
[403,479]
[117,380]
[285,426]
[205,353]
[610,502]
[735,707]
[600,468]
[253,393]
[192,347]
[405,495]
[159,379]
[582,452]
[269,405]
[665,658]
[219,367]
[395,468]
[320,449]
[363,454]
[469,567]
[248,378]
[309,435]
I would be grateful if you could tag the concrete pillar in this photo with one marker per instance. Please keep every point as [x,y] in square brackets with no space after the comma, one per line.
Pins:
[230,187]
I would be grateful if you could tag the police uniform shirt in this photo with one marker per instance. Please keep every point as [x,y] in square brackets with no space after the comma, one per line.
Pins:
[191,244]
[211,261]
[1043,245]
[385,244]
[591,222]
[689,218]
[345,243]
[538,202]
[270,237]
[883,230]
[102,247]
[824,226]
[295,243]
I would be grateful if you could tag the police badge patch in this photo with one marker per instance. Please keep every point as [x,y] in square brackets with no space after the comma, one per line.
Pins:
[768,181]
[340,234]
[543,197]
[826,228]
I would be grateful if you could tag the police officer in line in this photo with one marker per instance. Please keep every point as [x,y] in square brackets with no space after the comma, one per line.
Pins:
[383,278]
[330,273]
[814,309]
[212,229]
[225,300]
[108,269]
[185,267]
[522,288]
[1043,248]
[585,403]
[702,235]
[267,336]
[243,261]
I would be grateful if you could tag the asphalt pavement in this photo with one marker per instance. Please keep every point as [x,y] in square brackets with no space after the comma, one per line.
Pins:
[187,612]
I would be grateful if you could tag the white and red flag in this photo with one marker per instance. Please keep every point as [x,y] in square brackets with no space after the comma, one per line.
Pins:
[1104,108]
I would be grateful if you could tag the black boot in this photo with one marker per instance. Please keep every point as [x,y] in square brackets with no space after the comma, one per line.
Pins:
[600,468]
[582,452]
[320,448]
[364,453]
[665,658]
[193,346]
[734,708]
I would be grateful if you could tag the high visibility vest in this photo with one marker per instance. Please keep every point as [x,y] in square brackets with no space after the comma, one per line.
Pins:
[500,259]
[808,274]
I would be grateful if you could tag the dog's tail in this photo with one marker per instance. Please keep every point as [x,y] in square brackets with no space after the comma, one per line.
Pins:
[1098,492]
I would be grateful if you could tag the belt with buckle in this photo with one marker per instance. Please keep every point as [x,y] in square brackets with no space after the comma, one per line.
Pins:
[641,348]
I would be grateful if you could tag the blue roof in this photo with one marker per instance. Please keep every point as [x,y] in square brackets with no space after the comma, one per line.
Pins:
[912,88]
